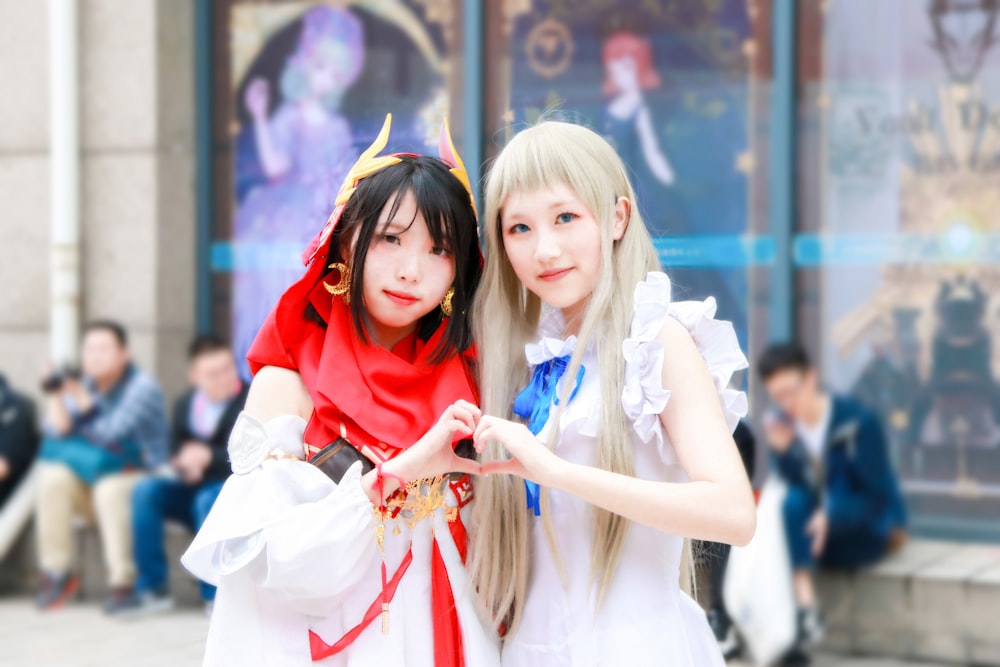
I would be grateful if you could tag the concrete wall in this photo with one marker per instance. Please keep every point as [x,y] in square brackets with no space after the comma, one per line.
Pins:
[24,191]
[137,189]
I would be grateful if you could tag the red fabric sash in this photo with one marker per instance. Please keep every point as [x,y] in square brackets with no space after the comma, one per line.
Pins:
[320,649]
[448,650]
[448,647]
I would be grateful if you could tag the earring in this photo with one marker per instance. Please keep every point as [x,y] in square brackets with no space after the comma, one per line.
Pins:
[343,286]
[446,302]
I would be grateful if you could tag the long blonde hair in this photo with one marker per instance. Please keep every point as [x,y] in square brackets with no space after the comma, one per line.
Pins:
[507,316]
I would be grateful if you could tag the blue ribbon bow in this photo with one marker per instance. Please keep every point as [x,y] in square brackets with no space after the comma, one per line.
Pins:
[533,404]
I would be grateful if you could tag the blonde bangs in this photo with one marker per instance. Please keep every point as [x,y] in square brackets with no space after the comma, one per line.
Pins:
[550,154]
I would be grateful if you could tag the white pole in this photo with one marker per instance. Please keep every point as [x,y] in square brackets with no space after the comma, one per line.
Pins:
[64,320]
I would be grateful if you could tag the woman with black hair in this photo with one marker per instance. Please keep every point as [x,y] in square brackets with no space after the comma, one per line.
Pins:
[346,508]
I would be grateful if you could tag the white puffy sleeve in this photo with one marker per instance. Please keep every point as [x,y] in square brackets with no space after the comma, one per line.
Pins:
[644,396]
[290,526]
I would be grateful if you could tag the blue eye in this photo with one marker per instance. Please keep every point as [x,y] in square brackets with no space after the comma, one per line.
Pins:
[519,228]
[563,218]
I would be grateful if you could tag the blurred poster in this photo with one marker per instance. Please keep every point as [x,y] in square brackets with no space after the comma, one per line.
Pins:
[667,84]
[310,85]
[909,244]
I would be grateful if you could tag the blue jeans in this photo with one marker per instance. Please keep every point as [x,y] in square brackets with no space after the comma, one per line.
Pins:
[154,500]
[847,546]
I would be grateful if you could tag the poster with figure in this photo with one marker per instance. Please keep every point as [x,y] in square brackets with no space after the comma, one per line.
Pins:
[311,83]
[667,84]
[908,113]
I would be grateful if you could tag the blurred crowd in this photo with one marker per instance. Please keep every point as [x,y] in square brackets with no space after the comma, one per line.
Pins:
[104,447]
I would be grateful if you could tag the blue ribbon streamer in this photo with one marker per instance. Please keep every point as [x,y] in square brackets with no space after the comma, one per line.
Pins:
[533,404]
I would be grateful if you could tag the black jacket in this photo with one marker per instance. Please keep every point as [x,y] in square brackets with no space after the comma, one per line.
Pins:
[18,431]
[181,432]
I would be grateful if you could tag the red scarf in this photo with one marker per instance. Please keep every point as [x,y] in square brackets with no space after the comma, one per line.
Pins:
[385,401]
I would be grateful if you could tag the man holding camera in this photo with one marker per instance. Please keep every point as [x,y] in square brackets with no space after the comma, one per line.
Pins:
[104,425]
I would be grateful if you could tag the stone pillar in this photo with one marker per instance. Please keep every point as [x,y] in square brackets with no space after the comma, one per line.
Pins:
[138,194]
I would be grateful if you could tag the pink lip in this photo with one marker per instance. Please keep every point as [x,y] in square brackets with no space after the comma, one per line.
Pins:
[552,276]
[401,298]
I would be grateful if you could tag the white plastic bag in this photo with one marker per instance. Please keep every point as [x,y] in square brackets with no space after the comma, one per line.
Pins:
[758,586]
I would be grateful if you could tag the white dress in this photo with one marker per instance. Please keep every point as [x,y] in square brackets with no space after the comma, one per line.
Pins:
[645,618]
[290,552]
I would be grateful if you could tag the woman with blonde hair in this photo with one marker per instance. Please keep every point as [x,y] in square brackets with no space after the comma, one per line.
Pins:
[625,448]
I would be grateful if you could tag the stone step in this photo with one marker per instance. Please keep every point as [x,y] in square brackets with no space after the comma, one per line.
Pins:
[183,586]
[19,573]
[932,601]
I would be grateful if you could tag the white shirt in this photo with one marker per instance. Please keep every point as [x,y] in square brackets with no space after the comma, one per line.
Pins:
[205,415]
[814,437]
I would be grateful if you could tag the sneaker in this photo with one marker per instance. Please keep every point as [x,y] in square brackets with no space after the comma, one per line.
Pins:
[139,603]
[797,657]
[725,633]
[55,591]
[811,630]
[118,598]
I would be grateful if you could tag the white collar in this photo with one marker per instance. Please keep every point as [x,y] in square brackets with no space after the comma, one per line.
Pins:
[551,343]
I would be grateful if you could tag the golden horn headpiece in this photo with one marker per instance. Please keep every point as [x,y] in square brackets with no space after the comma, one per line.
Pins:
[371,162]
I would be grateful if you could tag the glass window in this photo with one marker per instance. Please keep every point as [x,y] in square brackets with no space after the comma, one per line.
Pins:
[680,89]
[301,88]
[899,237]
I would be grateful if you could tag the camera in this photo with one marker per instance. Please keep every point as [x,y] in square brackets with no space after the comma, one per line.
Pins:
[54,382]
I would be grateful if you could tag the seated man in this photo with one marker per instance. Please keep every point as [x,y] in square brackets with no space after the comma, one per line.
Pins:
[844,508]
[202,420]
[103,427]
[18,438]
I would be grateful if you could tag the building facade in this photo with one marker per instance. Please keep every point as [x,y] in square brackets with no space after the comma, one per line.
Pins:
[136,174]
[827,170]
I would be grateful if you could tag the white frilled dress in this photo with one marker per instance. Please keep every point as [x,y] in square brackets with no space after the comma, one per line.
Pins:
[290,552]
[645,618]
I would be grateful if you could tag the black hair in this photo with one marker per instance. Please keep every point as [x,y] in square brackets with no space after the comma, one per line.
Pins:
[206,344]
[782,357]
[446,207]
[112,327]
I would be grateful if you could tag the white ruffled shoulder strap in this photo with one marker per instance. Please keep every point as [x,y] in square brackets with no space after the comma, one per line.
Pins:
[644,396]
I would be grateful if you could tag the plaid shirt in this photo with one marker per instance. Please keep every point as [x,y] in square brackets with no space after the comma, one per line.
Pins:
[133,410]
